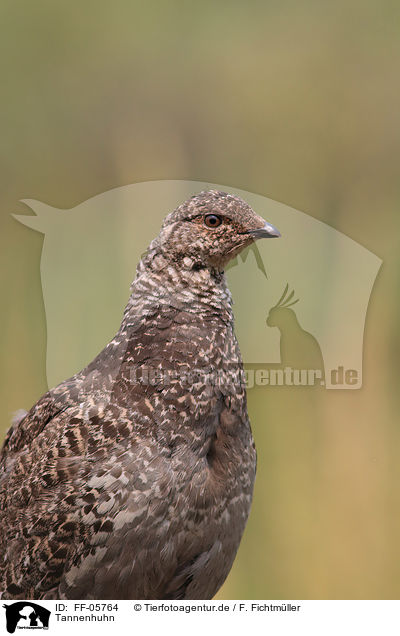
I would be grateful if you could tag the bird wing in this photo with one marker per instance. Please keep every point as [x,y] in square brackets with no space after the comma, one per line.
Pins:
[67,482]
[24,429]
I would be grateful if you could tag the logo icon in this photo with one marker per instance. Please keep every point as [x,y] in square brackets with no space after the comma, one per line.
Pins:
[26,615]
[90,254]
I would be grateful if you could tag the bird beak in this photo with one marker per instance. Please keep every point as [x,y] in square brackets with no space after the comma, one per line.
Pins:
[266,231]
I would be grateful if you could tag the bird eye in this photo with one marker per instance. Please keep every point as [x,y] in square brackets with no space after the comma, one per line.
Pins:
[212,220]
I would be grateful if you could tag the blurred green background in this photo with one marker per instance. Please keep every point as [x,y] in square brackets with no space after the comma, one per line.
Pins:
[297,101]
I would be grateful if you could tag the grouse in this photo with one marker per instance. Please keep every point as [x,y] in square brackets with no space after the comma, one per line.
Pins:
[133,479]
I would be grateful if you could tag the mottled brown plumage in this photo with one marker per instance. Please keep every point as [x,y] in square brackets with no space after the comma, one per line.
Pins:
[134,478]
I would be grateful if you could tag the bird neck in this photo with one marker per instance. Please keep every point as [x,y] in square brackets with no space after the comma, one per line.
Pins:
[162,284]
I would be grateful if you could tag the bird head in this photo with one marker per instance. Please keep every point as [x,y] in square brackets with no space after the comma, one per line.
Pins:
[211,228]
[281,312]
